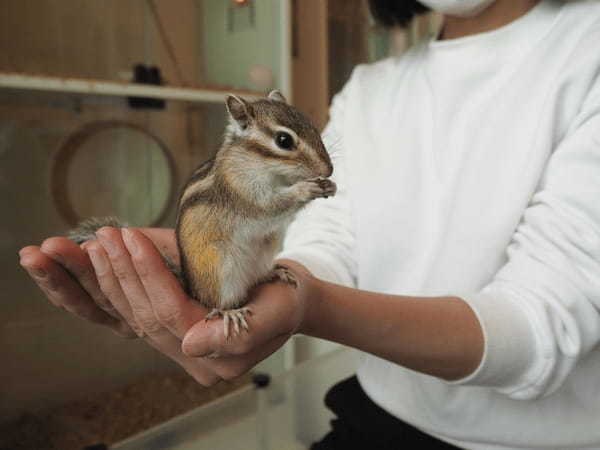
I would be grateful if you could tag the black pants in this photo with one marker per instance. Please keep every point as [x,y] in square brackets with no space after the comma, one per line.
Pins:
[361,424]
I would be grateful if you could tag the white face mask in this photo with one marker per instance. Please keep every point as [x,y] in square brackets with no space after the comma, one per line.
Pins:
[461,8]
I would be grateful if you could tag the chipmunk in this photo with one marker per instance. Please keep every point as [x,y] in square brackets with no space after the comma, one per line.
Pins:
[235,208]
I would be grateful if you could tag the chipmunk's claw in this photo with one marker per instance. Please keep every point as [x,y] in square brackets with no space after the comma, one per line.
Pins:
[282,273]
[234,317]
[214,313]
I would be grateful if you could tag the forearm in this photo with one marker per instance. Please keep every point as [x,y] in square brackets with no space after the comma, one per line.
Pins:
[439,336]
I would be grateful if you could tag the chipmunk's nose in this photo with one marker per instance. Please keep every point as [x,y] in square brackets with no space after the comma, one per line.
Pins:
[326,168]
[323,165]
[329,170]
[323,170]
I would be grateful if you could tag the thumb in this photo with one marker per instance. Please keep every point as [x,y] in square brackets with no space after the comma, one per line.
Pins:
[272,314]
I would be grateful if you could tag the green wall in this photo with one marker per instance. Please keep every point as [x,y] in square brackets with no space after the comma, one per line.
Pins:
[229,54]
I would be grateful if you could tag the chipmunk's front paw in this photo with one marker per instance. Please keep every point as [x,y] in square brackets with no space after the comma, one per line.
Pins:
[327,187]
[316,188]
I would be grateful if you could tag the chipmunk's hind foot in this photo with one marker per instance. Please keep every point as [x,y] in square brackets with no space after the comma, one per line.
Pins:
[282,273]
[233,317]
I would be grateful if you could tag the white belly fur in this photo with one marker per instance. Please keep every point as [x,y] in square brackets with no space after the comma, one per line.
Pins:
[248,261]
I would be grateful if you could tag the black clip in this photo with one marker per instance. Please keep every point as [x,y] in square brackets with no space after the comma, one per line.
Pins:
[261,380]
[146,75]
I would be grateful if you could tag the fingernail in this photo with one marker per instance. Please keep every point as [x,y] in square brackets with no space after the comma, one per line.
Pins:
[108,245]
[40,273]
[129,240]
[98,261]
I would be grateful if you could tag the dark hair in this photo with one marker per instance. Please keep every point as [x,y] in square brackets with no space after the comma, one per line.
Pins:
[390,13]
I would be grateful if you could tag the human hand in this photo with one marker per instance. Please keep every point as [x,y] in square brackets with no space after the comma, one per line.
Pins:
[64,272]
[132,275]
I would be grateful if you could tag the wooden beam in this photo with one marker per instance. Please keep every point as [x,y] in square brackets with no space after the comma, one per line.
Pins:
[117,88]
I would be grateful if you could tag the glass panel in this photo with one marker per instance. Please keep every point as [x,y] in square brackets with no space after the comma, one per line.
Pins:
[225,423]
[296,413]
[53,358]
[242,42]
[289,414]
[216,43]
[113,169]
[98,155]
[102,40]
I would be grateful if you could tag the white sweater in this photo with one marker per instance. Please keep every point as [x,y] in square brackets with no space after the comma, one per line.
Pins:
[471,167]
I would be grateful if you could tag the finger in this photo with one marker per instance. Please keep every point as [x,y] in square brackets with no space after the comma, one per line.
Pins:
[231,367]
[77,262]
[200,369]
[172,307]
[110,285]
[273,308]
[125,274]
[42,270]
[208,371]
[61,289]
[164,240]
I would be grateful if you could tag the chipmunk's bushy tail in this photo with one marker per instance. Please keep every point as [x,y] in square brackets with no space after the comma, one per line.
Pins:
[86,231]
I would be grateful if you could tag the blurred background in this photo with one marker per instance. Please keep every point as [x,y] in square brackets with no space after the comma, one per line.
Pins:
[106,106]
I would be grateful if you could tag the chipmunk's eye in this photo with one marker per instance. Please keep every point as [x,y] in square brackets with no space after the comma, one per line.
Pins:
[284,140]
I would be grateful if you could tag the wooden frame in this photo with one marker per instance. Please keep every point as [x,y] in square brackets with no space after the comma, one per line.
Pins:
[64,157]
[90,86]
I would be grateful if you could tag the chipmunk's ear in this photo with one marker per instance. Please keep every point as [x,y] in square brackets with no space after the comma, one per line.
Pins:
[239,110]
[277,96]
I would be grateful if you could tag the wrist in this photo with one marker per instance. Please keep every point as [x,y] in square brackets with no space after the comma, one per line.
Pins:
[307,295]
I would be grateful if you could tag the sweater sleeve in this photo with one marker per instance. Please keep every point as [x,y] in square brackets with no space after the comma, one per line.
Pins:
[540,314]
[321,236]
